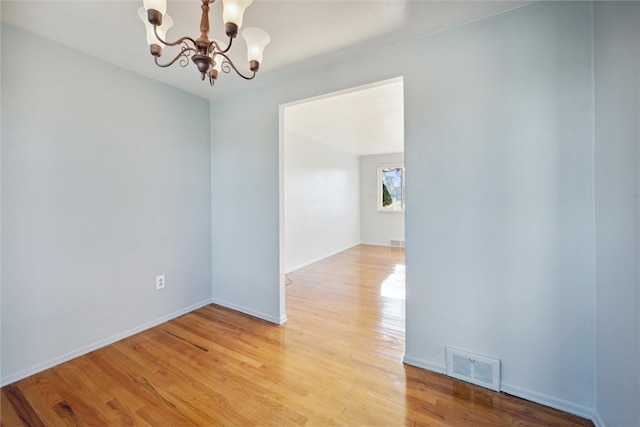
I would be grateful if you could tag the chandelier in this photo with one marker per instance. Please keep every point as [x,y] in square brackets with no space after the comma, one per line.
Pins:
[209,55]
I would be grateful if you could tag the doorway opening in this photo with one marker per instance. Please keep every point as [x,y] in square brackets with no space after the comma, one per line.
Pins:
[333,148]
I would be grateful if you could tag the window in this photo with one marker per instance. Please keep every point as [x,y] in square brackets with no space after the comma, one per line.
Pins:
[391,193]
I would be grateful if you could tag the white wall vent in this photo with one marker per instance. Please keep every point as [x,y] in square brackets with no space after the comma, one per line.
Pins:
[397,243]
[474,368]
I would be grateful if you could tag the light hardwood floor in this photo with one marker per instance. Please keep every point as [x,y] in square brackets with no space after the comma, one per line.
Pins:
[337,361]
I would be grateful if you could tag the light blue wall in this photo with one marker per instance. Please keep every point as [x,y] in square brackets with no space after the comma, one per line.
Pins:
[617,186]
[500,239]
[245,189]
[500,234]
[98,197]
[105,184]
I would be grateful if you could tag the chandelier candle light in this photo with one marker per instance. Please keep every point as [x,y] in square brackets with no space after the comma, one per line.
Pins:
[207,54]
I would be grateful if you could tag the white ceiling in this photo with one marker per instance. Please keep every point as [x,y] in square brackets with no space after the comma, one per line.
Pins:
[304,34]
[361,121]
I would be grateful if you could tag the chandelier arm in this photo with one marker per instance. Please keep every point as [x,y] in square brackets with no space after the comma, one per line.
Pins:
[184,53]
[230,63]
[214,46]
[175,43]
[228,46]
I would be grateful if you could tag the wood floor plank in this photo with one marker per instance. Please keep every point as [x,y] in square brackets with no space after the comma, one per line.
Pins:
[22,407]
[8,415]
[41,394]
[336,362]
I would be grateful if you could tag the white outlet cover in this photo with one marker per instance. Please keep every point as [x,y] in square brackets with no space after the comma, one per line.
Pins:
[160,282]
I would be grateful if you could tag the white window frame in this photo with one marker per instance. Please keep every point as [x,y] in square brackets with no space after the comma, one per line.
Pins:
[379,187]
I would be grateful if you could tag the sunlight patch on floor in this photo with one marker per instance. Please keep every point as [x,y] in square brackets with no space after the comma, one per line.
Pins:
[393,285]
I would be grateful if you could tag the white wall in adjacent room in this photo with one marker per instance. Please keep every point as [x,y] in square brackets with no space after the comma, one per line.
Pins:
[321,190]
[377,228]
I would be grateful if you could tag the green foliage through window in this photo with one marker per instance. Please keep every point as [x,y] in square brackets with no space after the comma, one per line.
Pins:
[386,197]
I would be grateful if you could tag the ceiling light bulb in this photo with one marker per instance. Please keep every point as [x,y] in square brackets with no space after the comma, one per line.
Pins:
[167,23]
[233,13]
[256,40]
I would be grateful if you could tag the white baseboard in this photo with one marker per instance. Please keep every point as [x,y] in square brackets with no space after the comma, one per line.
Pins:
[597,421]
[254,313]
[552,402]
[99,344]
[383,245]
[306,263]
[425,364]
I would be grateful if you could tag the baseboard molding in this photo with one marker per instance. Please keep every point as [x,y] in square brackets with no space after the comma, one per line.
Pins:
[383,245]
[99,344]
[306,263]
[552,402]
[597,421]
[254,313]
[424,364]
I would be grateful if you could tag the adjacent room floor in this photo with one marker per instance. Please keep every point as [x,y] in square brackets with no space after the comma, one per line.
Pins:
[337,361]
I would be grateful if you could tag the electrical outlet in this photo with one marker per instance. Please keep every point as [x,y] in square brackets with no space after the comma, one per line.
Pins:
[160,283]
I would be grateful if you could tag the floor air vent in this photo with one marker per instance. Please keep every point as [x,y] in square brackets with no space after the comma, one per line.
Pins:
[397,243]
[473,368]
